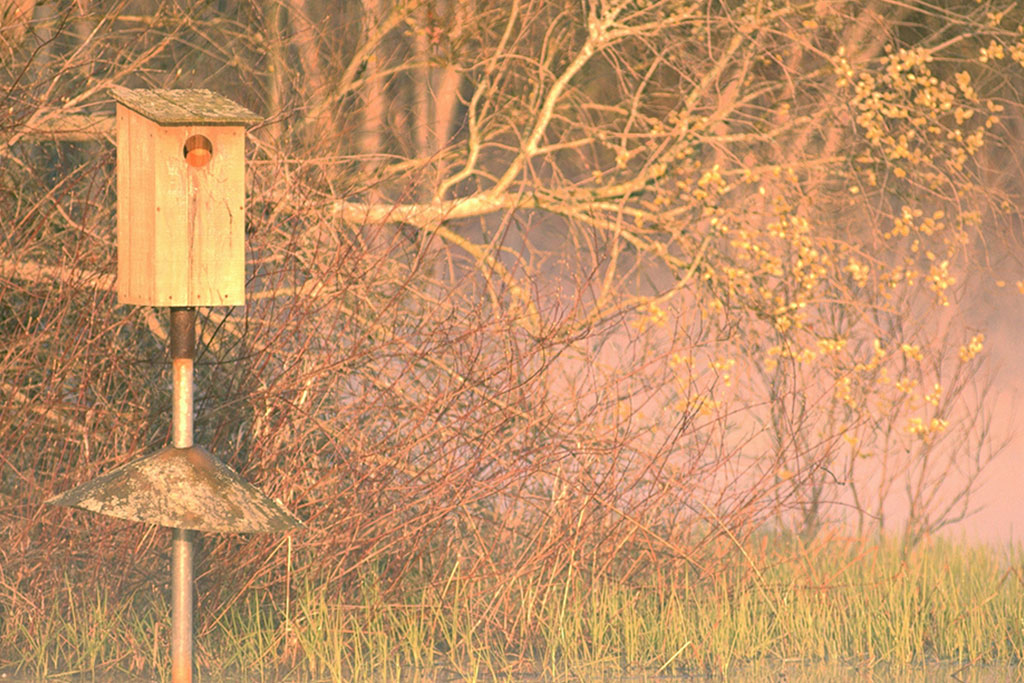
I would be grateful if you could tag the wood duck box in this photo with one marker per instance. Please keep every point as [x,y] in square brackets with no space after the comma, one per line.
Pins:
[180,198]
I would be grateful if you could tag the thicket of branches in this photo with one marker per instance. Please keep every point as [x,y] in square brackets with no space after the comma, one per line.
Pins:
[532,285]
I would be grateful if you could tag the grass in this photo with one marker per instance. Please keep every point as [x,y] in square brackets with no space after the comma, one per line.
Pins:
[865,604]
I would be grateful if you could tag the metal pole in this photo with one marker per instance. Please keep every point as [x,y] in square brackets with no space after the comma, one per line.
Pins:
[181,605]
[183,351]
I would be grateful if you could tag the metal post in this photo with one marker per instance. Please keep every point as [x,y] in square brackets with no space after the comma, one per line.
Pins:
[183,351]
[181,605]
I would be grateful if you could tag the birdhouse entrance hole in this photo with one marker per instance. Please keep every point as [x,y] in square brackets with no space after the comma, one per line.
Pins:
[198,151]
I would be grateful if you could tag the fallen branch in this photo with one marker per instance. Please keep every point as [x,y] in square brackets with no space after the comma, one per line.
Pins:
[72,128]
[41,273]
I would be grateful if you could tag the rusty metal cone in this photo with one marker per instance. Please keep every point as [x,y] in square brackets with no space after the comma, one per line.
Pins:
[186,488]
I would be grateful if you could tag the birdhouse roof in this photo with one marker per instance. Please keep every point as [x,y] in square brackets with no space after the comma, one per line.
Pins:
[184,107]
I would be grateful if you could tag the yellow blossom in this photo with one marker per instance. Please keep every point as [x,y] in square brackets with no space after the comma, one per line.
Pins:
[858,271]
[831,345]
[906,384]
[973,347]
[911,351]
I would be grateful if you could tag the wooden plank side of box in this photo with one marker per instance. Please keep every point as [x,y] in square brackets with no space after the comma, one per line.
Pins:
[172,224]
[136,187]
[217,208]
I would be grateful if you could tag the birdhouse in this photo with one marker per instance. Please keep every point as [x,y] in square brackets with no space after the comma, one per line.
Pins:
[180,198]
